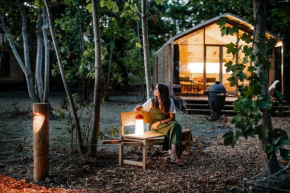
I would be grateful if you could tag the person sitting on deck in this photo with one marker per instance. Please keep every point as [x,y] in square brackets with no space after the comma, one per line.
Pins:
[163,109]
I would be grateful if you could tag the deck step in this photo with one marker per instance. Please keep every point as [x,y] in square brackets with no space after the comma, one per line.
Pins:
[205,105]
[205,110]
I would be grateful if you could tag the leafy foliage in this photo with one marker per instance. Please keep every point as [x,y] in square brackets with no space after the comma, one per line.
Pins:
[252,102]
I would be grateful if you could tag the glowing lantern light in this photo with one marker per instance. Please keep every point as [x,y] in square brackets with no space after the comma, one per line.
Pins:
[38,120]
[139,126]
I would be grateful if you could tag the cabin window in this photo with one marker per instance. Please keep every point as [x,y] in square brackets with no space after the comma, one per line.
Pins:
[213,35]
[4,64]
[191,58]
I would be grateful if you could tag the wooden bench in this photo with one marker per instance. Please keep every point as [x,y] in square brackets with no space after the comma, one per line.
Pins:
[149,138]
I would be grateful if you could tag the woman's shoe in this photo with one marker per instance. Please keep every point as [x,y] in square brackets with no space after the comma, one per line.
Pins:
[179,163]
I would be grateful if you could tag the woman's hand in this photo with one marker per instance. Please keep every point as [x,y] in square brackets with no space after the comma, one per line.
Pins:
[138,108]
[155,125]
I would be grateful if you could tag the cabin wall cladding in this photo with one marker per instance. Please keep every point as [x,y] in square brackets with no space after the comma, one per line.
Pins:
[16,72]
[15,75]
[161,66]
[169,78]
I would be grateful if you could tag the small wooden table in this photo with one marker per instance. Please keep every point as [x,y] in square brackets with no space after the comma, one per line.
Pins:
[145,140]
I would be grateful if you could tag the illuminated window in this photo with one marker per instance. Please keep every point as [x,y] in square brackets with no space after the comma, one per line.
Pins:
[213,35]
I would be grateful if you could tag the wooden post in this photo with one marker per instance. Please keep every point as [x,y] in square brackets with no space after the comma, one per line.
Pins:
[245,185]
[40,140]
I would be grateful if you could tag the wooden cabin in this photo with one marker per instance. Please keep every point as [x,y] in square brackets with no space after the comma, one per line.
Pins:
[10,71]
[193,60]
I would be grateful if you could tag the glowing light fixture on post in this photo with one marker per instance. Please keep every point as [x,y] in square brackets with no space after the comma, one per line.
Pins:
[38,120]
[139,126]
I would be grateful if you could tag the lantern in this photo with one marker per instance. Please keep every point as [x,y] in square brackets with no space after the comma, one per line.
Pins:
[38,120]
[139,126]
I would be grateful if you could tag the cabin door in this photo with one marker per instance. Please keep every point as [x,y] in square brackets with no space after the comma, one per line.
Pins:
[215,59]
[213,66]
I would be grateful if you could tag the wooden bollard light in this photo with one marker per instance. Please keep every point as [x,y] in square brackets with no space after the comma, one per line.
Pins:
[40,140]
[139,126]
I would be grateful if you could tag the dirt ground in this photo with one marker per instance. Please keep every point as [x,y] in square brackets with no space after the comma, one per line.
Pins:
[211,167]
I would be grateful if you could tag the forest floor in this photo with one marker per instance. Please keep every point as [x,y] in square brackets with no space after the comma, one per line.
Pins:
[211,167]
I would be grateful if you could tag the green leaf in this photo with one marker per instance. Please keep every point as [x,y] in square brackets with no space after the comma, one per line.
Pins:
[245,60]
[229,66]
[237,118]
[159,2]
[231,48]
[249,133]
[222,21]
[269,149]
[89,7]
[232,81]
[247,38]
[224,31]
[39,3]
[228,141]
[239,134]
[286,19]
[262,132]
[230,31]
[228,135]
[280,95]
[102,3]
[115,8]
[234,141]
[248,51]
[138,45]
[236,29]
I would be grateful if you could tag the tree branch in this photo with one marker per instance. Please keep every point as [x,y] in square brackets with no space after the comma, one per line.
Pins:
[8,35]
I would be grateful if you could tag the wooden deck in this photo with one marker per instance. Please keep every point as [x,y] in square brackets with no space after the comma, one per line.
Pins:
[203,98]
[199,105]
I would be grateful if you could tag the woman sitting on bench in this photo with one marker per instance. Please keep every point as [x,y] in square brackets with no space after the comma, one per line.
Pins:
[163,109]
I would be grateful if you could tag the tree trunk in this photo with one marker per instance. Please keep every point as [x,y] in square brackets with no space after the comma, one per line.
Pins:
[270,166]
[38,66]
[66,86]
[97,86]
[146,47]
[28,76]
[47,57]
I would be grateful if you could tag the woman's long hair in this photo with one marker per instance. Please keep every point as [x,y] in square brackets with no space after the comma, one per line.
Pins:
[164,98]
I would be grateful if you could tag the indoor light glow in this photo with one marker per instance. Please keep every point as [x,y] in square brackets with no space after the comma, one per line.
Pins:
[211,67]
[38,120]
[139,125]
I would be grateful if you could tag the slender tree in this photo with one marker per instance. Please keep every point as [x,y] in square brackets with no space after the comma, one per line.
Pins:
[46,55]
[97,87]
[146,46]
[66,86]
[39,54]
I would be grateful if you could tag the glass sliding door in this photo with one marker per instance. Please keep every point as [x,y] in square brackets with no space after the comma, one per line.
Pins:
[212,66]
